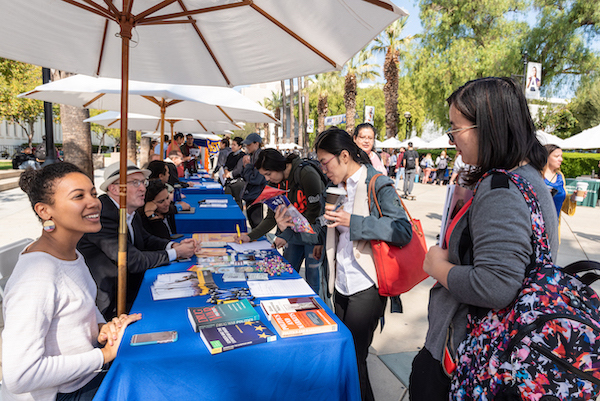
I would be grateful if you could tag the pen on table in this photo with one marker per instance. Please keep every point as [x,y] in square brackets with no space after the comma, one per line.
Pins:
[237,227]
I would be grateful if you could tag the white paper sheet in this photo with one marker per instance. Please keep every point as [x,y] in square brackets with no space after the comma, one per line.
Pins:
[280,288]
[251,246]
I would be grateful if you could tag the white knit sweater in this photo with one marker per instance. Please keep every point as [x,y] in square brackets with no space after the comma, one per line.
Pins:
[50,328]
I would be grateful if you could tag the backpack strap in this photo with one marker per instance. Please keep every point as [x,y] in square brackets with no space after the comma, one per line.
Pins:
[542,254]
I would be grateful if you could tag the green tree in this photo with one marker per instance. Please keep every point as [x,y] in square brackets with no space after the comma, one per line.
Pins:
[274,104]
[464,40]
[16,78]
[101,132]
[390,43]
[321,87]
[586,104]
[562,37]
[357,69]
[556,120]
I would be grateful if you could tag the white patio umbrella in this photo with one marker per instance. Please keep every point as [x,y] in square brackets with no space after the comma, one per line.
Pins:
[196,135]
[283,146]
[442,142]
[416,141]
[188,42]
[549,139]
[141,122]
[588,139]
[161,100]
[392,143]
[378,144]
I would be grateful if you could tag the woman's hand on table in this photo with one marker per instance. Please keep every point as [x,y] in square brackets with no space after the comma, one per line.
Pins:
[339,217]
[184,205]
[111,334]
[437,265]
[283,221]
[279,242]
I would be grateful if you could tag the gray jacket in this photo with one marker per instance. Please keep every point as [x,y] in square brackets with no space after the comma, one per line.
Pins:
[491,275]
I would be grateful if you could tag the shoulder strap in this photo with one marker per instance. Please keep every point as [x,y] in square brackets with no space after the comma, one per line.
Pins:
[372,195]
[540,238]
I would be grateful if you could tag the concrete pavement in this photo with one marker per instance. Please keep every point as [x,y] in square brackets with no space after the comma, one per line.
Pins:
[394,347]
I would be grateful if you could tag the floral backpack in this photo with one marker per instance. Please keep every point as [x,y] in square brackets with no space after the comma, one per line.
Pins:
[545,345]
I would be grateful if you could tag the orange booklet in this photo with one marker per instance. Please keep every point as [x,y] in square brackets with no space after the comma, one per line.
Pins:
[303,323]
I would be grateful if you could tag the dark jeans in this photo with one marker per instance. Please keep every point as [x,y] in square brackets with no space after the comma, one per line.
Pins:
[295,254]
[428,382]
[360,312]
[86,393]
[409,180]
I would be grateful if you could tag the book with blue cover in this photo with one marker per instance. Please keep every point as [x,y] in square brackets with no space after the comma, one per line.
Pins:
[225,338]
[222,314]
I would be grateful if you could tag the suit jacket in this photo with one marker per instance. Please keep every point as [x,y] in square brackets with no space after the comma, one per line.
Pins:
[100,252]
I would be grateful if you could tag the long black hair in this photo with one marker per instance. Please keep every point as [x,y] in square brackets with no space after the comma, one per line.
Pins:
[39,184]
[505,129]
[335,140]
[155,187]
[363,126]
[273,160]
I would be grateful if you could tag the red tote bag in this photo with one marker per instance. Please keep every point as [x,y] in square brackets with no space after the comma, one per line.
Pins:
[398,268]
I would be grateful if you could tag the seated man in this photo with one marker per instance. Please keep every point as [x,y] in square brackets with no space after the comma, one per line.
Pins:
[25,160]
[173,162]
[144,251]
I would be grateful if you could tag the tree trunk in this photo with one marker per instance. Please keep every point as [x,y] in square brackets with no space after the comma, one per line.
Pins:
[322,109]
[390,91]
[306,112]
[278,117]
[132,146]
[29,133]
[350,101]
[77,135]
[145,150]
[301,125]
[293,135]
[284,112]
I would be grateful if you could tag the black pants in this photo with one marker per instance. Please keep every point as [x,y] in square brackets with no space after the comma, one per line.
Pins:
[360,312]
[428,382]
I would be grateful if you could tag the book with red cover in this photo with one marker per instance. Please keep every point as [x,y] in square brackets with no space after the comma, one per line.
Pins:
[303,323]
[222,315]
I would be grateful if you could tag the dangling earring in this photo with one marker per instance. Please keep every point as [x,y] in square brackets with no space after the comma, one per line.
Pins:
[49,226]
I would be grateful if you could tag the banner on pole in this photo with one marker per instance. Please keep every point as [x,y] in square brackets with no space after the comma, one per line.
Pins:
[533,81]
[369,114]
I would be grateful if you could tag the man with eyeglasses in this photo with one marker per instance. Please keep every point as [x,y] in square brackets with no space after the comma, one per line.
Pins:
[144,250]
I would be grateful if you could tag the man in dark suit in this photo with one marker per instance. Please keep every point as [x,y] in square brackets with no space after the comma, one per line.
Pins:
[144,250]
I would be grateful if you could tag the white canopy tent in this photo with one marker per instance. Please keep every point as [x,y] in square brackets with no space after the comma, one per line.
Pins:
[391,143]
[442,142]
[588,139]
[416,141]
[549,139]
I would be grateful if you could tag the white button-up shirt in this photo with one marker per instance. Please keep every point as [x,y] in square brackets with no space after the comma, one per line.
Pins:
[350,277]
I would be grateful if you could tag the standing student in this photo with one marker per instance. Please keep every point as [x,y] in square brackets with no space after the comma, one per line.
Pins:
[490,246]
[352,278]
[55,341]
[364,137]
[441,164]
[410,162]
[305,187]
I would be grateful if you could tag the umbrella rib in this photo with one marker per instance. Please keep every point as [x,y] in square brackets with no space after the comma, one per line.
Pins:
[152,10]
[192,12]
[202,125]
[111,6]
[271,117]
[172,102]
[206,45]
[99,10]
[181,21]
[293,34]
[381,4]
[152,99]
[116,121]
[102,47]
[226,115]
[85,106]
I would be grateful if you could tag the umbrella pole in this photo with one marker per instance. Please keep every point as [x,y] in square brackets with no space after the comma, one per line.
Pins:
[126,27]
[162,131]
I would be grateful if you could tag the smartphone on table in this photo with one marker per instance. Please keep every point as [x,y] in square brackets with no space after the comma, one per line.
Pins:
[161,337]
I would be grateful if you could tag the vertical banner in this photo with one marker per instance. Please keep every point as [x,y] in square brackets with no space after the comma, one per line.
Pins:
[533,81]
[213,147]
[369,114]
[310,125]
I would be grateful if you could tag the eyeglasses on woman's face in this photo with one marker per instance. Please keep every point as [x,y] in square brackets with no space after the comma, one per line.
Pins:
[324,164]
[451,132]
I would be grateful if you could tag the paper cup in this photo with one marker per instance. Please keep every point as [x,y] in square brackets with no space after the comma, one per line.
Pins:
[333,195]
[580,193]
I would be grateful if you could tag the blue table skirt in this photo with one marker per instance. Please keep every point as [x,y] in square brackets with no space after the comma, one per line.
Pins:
[316,367]
[210,220]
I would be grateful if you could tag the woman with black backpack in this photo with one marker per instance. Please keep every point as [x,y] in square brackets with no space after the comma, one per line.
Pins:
[305,185]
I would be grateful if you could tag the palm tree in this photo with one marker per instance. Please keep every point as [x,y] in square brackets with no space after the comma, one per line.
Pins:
[322,85]
[284,111]
[274,103]
[357,69]
[390,43]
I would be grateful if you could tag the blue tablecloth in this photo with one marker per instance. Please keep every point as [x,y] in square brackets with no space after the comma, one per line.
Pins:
[209,219]
[316,367]
[199,186]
